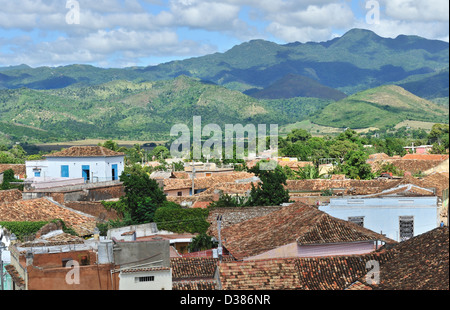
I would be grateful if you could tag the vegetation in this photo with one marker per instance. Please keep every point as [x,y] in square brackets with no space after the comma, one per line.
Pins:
[175,218]
[142,195]
[270,191]
[23,230]
[202,242]
[380,107]
[8,178]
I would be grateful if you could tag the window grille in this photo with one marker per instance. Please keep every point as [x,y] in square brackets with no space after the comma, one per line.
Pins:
[358,220]
[406,224]
[145,279]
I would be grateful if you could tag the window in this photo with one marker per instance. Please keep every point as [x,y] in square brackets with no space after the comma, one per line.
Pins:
[37,174]
[144,279]
[65,261]
[64,171]
[358,220]
[180,194]
[406,227]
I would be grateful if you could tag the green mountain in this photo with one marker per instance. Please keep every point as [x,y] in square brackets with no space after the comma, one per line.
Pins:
[429,86]
[136,111]
[379,107]
[292,85]
[358,60]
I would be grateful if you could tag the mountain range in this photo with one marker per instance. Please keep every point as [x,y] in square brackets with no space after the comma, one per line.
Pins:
[254,82]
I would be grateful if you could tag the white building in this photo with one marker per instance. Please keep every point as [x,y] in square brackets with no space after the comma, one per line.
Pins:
[85,163]
[399,213]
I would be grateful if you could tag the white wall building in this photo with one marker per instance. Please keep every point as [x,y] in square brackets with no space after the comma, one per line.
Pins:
[394,213]
[90,163]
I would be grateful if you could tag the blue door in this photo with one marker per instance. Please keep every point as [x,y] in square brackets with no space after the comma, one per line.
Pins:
[114,172]
[85,172]
[64,171]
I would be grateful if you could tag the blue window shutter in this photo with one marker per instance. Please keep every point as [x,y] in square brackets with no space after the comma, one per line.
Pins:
[65,171]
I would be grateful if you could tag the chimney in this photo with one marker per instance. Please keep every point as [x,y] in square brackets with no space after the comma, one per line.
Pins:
[29,258]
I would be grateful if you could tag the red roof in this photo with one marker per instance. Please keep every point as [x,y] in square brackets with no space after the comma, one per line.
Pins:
[426,156]
[86,151]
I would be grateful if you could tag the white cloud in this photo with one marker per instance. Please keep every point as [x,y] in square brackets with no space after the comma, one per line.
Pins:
[131,30]
[418,10]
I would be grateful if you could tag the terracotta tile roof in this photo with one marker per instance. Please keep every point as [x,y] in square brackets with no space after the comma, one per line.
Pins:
[19,169]
[420,263]
[441,157]
[15,276]
[318,273]
[436,180]
[205,182]
[10,195]
[359,286]
[201,204]
[131,270]
[295,223]
[232,216]
[42,209]
[86,151]
[276,274]
[194,268]
[199,285]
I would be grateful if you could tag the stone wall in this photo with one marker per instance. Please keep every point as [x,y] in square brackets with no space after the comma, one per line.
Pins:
[94,208]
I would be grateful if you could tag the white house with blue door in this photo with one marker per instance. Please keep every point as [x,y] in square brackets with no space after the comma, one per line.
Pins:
[90,163]
[399,213]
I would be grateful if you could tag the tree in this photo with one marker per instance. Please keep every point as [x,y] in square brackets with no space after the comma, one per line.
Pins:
[142,195]
[110,144]
[439,135]
[201,242]
[160,152]
[8,177]
[298,135]
[340,148]
[308,172]
[355,166]
[270,191]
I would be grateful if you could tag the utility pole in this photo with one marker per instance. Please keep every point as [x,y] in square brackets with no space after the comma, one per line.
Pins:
[2,247]
[193,177]
[219,224]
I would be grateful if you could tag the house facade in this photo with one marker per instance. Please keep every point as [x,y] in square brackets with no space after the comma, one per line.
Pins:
[88,163]
[397,217]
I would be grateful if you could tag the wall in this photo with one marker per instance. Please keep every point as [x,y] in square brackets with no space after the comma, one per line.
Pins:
[333,249]
[100,167]
[94,277]
[87,192]
[174,192]
[381,215]
[297,250]
[94,208]
[162,280]
[148,253]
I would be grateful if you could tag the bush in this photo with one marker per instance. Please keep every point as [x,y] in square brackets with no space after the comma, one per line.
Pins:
[23,229]
[181,220]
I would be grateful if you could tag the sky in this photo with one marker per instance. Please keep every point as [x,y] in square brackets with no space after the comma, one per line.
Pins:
[125,33]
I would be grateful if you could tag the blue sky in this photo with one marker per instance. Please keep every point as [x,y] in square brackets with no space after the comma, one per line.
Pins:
[121,33]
